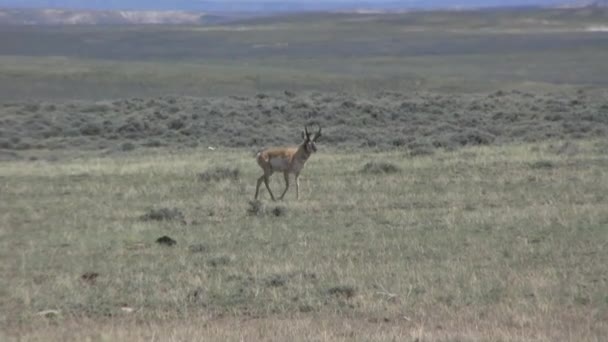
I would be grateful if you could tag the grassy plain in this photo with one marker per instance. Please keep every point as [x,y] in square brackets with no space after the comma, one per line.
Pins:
[484,243]
[480,218]
[459,52]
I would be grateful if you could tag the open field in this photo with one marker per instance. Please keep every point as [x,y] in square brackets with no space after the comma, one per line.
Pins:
[459,192]
[454,52]
[484,243]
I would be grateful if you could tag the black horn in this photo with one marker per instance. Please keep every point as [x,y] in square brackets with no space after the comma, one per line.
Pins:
[318,134]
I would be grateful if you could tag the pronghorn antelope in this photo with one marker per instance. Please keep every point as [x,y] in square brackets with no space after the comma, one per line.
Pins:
[287,160]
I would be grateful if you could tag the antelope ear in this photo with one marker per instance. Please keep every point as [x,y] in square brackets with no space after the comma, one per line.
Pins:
[303,135]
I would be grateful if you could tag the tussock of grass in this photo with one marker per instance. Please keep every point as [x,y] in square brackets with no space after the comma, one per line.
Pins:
[90,277]
[420,150]
[218,261]
[345,291]
[568,148]
[380,168]
[279,211]
[542,164]
[127,146]
[166,241]
[163,214]
[277,280]
[219,174]
[256,208]
[198,248]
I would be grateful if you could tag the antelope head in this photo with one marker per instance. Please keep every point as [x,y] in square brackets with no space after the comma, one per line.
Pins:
[310,142]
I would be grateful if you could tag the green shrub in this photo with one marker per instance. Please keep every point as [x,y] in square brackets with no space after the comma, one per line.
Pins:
[380,168]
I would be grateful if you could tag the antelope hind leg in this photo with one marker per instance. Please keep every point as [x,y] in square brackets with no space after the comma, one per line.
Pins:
[268,187]
[286,176]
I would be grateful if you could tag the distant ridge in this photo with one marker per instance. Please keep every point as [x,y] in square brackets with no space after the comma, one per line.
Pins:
[585,4]
[216,12]
[92,17]
[273,6]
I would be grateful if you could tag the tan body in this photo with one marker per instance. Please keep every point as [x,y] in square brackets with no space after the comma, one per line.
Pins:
[288,160]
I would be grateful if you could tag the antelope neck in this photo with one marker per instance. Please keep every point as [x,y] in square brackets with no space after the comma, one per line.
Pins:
[302,154]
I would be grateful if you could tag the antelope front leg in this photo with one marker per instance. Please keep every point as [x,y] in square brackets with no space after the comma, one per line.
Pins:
[268,187]
[286,175]
[263,178]
[257,187]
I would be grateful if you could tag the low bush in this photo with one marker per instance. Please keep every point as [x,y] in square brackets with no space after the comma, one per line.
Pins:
[380,168]
[219,174]
[163,214]
[347,121]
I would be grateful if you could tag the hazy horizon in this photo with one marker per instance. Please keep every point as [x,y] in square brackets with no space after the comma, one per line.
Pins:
[272,5]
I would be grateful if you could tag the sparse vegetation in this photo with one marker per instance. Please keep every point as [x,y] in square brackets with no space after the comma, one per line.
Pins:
[259,208]
[344,291]
[380,168]
[484,217]
[542,164]
[256,208]
[474,239]
[163,214]
[416,123]
[166,241]
[450,52]
[198,248]
[279,211]
[219,173]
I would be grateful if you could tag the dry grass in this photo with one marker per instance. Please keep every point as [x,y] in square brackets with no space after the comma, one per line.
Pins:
[449,52]
[482,244]
[460,326]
